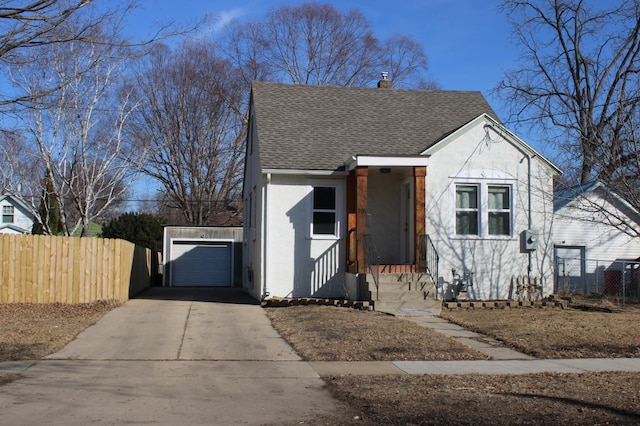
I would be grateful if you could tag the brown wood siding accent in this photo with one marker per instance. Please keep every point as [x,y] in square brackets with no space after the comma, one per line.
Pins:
[352,264]
[419,176]
[362,176]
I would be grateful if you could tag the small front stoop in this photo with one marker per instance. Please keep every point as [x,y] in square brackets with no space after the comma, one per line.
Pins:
[404,292]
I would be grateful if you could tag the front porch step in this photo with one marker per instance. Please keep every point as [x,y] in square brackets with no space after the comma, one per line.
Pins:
[403,291]
[398,304]
[403,278]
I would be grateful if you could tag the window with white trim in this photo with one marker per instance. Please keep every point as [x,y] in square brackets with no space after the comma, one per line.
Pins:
[499,210]
[483,210]
[324,215]
[467,209]
[7,214]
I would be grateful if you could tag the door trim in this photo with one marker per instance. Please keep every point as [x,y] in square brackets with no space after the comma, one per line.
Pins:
[407,220]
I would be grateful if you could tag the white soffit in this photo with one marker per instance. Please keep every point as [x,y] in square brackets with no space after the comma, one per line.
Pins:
[384,161]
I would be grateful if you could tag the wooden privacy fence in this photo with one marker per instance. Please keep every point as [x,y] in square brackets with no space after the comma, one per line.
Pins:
[45,269]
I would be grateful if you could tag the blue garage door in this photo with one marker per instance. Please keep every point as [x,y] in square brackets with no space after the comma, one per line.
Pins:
[201,263]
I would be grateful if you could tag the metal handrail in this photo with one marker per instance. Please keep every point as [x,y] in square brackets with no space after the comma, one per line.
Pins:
[371,258]
[427,259]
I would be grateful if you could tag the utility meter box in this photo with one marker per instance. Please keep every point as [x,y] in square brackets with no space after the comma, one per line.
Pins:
[530,239]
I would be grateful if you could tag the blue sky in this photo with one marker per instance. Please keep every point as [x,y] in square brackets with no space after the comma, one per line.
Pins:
[467,41]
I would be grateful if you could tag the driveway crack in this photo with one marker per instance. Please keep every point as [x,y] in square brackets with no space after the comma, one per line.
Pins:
[184,331]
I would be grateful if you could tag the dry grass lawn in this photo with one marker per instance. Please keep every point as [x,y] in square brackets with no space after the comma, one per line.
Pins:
[326,333]
[32,331]
[558,333]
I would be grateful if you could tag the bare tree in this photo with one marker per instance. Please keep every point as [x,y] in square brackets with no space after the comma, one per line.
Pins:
[316,44]
[26,26]
[19,170]
[75,118]
[29,25]
[578,81]
[404,58]
[192,127]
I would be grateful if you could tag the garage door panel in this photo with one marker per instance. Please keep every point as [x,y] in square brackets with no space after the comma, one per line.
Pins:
[201,264]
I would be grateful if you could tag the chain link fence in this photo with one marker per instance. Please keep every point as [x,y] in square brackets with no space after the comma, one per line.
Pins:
[617,280]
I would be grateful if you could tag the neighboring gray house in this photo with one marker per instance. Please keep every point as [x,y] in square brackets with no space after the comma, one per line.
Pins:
[341,182]
[17,216]
[593,233]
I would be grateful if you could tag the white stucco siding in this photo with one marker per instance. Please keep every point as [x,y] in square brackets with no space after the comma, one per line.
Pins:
[474,158]
[299,265]
[254,198]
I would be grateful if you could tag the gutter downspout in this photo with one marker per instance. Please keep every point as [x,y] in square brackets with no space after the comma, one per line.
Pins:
[265,239]
[530,206]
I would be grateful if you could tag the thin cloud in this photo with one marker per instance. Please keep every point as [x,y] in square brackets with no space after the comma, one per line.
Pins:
[221,20]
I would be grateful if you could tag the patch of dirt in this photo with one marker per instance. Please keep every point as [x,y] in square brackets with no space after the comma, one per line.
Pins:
[327,333]
[531,399]
[33,331]
[558,333]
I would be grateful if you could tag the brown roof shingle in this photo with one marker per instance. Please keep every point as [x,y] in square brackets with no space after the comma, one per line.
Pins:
[320,127]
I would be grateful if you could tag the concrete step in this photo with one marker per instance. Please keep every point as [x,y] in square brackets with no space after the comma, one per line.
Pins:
[407,287]
[406,306]
[400,277]
[403,291]
[393,298]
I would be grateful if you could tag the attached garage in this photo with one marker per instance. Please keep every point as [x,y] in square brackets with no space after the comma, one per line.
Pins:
[202,256]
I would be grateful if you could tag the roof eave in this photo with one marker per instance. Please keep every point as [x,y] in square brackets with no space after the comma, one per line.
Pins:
[386,161]
[505,133]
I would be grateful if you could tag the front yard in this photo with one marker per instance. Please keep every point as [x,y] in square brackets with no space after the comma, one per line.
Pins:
[322,333]
[330,333]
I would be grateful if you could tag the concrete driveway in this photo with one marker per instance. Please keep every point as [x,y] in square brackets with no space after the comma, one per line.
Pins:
[172,356]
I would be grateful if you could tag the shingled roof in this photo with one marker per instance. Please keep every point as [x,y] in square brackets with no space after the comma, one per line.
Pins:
[320,127]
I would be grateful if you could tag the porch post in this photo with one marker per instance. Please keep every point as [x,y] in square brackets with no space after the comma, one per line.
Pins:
[356,219]
[362,175]
[419,174]
[352,208]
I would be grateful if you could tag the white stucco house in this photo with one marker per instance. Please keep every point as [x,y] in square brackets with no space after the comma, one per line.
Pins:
[17,217]
[342,182]
[595,234]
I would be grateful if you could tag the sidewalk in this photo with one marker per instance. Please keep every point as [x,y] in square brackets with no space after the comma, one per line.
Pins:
[486,345]
[335,368]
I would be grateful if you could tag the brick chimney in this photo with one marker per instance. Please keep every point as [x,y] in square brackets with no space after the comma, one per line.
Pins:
[384,83]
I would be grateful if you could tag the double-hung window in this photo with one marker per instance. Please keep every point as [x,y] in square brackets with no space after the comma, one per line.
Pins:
[483,210]
[324,211]
[467,210]
[7,214]
[499,210]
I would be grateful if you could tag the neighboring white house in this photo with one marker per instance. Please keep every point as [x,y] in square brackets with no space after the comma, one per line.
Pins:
[338,178]
[17,217]
[596,237]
